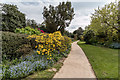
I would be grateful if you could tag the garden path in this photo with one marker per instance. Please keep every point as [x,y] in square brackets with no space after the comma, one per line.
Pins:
[76,65]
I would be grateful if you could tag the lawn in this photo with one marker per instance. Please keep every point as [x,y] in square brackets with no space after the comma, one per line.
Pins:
[104,61]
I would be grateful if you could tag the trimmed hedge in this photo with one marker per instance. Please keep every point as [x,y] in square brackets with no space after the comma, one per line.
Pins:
[11,43]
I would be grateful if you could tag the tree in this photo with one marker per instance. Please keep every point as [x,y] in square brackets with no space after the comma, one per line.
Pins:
[119,21]
[59,17]
[89,37]
[69,34]
[79,32]
[42,26]
[31,23]
[104,23]
[12,18]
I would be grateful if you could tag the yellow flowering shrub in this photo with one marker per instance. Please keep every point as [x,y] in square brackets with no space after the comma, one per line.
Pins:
[47,43]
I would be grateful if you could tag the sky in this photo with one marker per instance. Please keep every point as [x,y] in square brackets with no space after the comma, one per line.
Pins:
[82,9]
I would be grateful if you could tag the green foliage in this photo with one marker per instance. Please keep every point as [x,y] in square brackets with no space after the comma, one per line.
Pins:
[75,37]
[43,28]
[12,18]
[69,34]
[31,23]
[104,24]
[28,30]
[25,65]
[89,37]
[12,43]
[79,33]
[115,45]
[59,17]
[118,21]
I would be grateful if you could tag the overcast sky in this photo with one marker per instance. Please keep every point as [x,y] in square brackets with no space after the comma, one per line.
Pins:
[83,9]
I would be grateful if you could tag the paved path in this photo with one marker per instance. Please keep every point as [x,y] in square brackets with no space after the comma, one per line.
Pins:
[76,65]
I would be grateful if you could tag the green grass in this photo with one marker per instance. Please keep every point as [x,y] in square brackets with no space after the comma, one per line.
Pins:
[44,74]
[104,61]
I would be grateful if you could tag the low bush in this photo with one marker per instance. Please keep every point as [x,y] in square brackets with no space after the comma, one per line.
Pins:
[48,49]
[47,43]
[89,37]
[115,45]
[26,65]
[23,50]
[11,42]
[28,30]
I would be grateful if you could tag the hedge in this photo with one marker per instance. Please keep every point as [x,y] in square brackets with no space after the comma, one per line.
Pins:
[13,43]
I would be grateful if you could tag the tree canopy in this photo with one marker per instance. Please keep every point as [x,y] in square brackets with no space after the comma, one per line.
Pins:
[79,33]
[12,18]
[59,17]
[119,20]
[104,23]
[31,23]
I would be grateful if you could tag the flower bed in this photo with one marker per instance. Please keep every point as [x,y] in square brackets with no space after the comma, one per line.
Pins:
[49,48]
[47,43]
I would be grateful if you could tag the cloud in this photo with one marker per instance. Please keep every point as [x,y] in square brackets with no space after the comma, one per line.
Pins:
[30,3]
[58,1]
[83,9]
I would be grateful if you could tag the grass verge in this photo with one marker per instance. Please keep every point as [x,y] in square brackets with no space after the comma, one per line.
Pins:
[103,60]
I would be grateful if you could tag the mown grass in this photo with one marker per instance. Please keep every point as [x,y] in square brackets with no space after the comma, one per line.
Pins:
[104,61]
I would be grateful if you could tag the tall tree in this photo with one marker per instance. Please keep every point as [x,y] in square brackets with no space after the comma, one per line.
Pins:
[59,17]
[79,32]
[12,18]
[119,21]
[31,23]
[105,22]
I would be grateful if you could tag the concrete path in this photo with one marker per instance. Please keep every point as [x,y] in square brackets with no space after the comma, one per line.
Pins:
[76,65]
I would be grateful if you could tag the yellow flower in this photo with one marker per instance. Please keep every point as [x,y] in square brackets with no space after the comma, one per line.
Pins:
[35,46]
[41,46]
[53,45]
[42,53]
[49,42]
[38,52]
[46,53]
[43,50]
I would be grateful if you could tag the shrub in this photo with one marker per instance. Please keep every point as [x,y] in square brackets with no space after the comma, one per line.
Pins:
[28,30]
[47,43]
[25,66]
[11,42]
[89,37]
[81,37]
[23,50]
[115,45]
[11,18]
